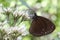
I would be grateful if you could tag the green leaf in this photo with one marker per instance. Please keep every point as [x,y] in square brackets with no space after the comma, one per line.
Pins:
[27,24]
[11,19]
[27,38]
[19,20]
[2,17]
[5,3]
[39,1]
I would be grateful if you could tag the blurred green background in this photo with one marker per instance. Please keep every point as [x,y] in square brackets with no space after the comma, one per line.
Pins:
[15,21]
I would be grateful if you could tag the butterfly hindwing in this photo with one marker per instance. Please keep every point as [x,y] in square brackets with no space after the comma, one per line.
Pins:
[41,26]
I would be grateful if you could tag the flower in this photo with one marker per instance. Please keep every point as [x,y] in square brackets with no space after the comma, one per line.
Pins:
[15,13]
[23,30]
[19,38]
[9,9]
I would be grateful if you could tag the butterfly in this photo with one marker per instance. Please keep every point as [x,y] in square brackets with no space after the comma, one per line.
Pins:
[41,26]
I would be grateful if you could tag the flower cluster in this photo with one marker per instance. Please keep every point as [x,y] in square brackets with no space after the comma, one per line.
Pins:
[10,20]
[11,33]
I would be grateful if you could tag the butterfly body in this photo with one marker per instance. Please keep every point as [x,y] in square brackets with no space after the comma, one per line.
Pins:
[41,26]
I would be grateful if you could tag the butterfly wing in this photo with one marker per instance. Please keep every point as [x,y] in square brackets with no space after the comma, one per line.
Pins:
[41,26]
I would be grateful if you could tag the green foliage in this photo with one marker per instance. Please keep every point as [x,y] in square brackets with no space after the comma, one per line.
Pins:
[11,19]
[27,24]
[2,17]
[5,3]
[19,20]
[39,1]
[2,33]
[27,38]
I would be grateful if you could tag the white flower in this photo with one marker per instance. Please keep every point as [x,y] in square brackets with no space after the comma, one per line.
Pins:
[25,33]
[23,30]
[7,37]
[15,13]
[27,14]
[14,28]
[19,38]
[21,13]
[8,9]
[5,22]
[7,29]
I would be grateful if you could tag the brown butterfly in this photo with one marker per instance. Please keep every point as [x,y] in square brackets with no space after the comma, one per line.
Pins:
[41,26]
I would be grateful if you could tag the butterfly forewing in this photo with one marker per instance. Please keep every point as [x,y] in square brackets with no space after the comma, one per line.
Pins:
[41,26]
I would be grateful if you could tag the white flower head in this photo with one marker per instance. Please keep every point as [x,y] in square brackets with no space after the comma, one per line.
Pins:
[21,13]
[25,33]
[23,30]
[7,29]
[5,22]
[27,14]
[14,28]
[8,9]
[15,13]
[19,38]
[7,37]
